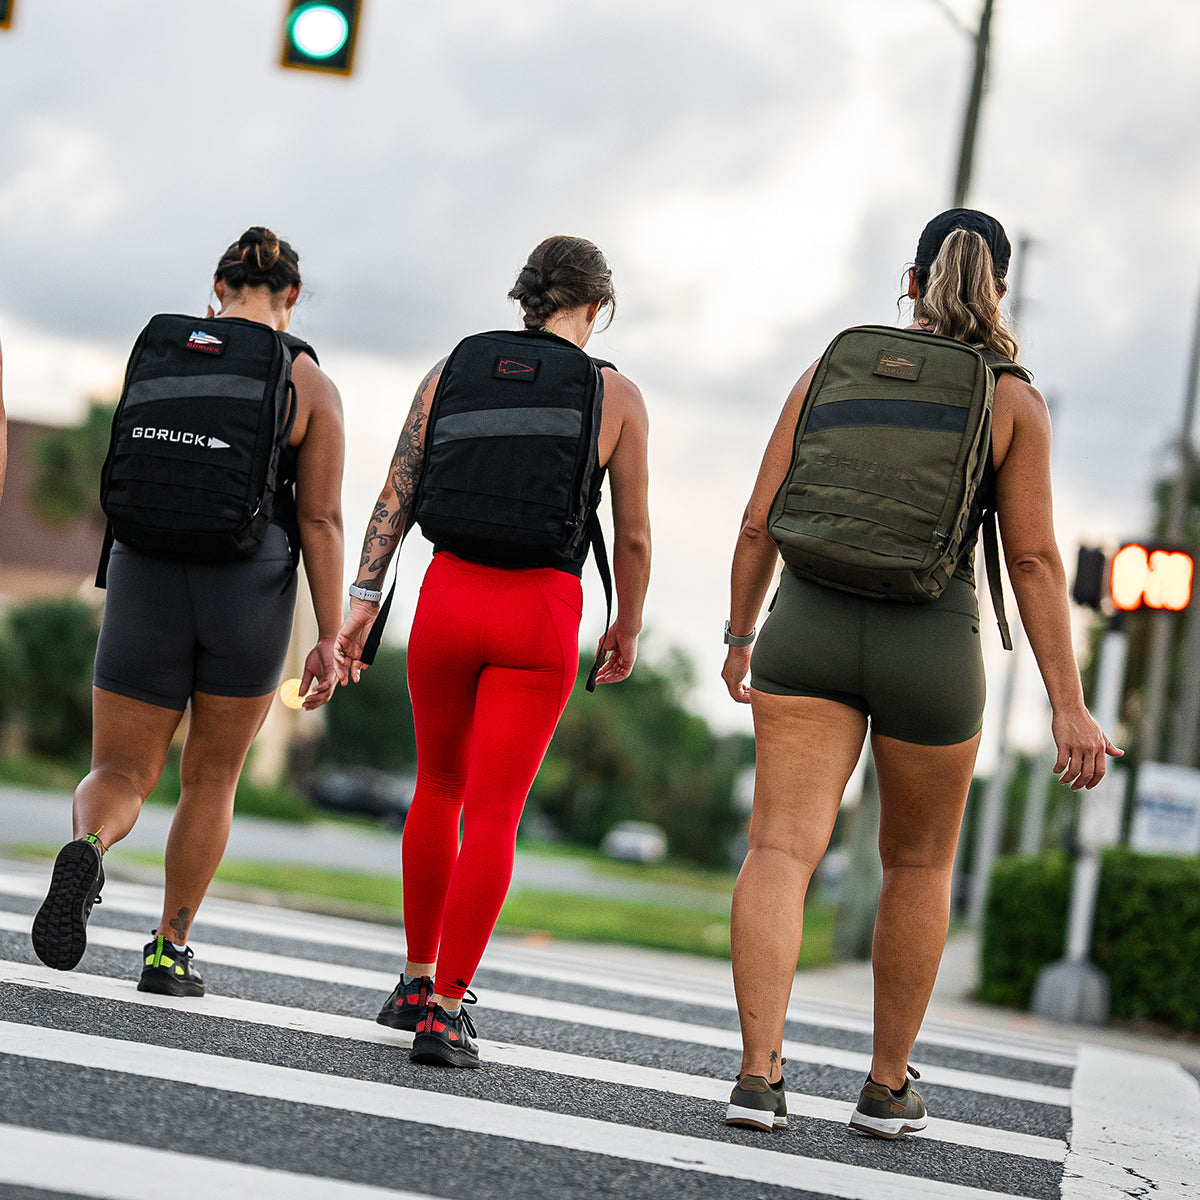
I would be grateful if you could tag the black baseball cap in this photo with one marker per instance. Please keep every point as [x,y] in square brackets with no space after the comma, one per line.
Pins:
[944,224]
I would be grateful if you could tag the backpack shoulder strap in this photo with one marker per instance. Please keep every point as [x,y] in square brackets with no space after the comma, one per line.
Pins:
[298,346]
[999,365]
[991,568]
[600,551]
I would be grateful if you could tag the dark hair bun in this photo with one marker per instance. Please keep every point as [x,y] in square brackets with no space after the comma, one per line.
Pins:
[562,273]
[259,259]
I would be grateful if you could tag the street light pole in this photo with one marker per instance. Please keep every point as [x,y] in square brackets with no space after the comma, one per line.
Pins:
[966,152]
[1162,627]
[1187,711]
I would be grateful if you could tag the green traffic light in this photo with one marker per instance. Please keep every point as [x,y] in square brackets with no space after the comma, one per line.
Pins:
[318,30]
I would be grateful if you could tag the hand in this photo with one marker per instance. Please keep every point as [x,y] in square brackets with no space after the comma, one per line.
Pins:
[737,663]
[350,640]
[320,675]
[619,653]
[1082,746]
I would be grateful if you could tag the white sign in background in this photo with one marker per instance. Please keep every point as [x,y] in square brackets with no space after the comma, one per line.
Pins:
[1166,815]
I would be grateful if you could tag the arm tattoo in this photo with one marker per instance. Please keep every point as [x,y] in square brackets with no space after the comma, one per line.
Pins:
[387,525]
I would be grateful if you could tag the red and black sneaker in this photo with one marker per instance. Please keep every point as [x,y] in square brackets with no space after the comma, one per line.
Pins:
[445,1038]
[406,1005]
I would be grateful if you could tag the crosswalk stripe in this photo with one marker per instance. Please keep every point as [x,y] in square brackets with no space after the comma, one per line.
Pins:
[600,1070]
[83,1166]
[579,1014]
[355,935]
[486,1117]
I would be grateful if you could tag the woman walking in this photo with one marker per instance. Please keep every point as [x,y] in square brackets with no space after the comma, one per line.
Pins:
[494,649]
[205,636]
[828,664]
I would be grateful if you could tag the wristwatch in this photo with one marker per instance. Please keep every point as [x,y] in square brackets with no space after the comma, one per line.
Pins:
[368,594]
[732,639]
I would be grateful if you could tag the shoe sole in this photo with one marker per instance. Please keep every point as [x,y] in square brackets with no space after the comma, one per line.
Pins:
[161,985]
[754,1118]
[59,932]
[887,1128]
[435,1052]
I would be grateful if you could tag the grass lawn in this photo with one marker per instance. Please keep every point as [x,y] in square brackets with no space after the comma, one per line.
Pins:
[528,910]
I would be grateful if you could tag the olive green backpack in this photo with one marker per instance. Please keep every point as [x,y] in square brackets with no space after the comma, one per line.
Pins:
[883,497]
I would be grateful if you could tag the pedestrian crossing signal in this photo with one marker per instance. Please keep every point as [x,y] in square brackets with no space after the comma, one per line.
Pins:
[320,36]
[1150,577]
[6,11]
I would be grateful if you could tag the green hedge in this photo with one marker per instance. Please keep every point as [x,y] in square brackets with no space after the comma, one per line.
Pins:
[1146,936]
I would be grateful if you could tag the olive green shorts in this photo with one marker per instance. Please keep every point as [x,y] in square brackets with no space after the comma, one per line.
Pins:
[916,670]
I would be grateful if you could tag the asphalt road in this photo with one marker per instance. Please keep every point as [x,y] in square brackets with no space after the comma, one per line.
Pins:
[605,1074]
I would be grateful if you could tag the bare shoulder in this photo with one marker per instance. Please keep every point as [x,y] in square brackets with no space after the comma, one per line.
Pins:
[319,404]
[1018,410]
[314,383]
[622,396]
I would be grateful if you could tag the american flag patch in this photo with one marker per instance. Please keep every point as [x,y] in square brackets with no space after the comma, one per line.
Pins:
[199,340]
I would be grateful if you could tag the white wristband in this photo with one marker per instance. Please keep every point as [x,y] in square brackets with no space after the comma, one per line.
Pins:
[362,593]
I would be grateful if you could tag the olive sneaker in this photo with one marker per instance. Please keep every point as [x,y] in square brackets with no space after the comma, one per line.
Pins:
[167,970]
[60,928]
[756,1104]
[407,1004]
[446,1038]
[887,1114]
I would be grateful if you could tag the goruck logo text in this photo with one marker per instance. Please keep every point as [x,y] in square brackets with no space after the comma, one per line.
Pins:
[181,436]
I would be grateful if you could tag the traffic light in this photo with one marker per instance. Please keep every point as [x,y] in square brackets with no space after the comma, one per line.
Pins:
[1089,586]
[6,11]
[1150,577]
[319,35]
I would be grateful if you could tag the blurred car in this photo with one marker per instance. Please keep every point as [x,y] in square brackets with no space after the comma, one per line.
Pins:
[360,791]
[635,841]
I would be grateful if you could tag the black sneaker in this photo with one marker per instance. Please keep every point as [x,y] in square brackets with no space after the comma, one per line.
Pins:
[887,1114]
[756,1104]
[167,971]
[60,927]
[407,1004]
[445,1038]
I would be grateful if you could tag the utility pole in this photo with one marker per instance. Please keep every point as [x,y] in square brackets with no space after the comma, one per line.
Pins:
[1162,626]
[1187,710]
[966,152]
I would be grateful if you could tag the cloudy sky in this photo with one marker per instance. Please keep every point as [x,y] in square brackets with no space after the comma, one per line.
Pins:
[756,173]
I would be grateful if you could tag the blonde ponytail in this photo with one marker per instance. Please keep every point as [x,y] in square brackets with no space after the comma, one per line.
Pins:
[960,298]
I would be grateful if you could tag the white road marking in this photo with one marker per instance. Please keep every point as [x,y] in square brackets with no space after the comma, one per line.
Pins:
[601,1070]
[84,1166]
[1135,1130]
[580,1014]
[554,967]
[486,1117]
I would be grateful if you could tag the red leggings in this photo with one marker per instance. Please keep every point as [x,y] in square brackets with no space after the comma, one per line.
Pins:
[492,657]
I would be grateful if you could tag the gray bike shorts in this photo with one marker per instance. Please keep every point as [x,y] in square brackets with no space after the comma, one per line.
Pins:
[174,628]
[916,670]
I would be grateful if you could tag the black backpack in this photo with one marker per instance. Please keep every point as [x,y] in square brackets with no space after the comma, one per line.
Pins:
[511,472]
[194,458]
